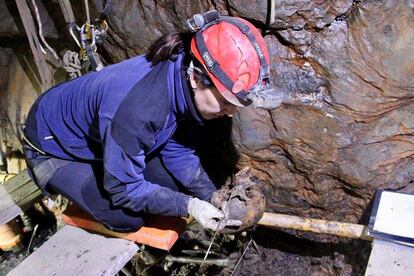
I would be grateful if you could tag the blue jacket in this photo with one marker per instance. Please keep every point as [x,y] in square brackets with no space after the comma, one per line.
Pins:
[121,115]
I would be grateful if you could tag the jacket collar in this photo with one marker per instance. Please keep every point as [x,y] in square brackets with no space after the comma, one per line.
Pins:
[182,100]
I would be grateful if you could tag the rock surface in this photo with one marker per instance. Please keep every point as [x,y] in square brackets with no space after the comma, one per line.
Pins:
[347,128]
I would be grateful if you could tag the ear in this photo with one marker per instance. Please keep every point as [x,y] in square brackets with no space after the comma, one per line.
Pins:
[193,80]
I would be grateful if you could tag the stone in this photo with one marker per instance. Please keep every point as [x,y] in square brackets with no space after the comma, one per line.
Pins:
[354,133]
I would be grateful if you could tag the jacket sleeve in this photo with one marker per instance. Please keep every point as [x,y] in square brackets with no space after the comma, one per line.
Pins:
[186,167]
[127,187]
[126,139]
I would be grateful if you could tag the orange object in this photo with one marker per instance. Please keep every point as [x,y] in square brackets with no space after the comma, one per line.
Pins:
[10,236]
[160,232]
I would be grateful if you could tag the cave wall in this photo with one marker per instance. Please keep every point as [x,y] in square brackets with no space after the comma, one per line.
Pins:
[347,128]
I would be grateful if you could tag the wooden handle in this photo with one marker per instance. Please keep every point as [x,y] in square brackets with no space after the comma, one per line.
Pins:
[341,229]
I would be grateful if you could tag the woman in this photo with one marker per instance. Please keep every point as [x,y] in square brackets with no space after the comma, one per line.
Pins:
[112,141]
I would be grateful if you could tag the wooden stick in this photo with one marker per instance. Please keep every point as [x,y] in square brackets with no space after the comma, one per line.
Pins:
[341,229]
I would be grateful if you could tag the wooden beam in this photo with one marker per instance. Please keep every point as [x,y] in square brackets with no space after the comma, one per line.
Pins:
[16,195]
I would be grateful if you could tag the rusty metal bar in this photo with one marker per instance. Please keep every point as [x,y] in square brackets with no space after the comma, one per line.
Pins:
[190,260]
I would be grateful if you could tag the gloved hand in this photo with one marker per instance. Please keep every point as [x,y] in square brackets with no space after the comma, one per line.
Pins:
[209,216]
[205,213]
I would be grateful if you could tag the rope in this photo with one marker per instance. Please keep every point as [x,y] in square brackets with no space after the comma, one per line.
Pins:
[99,7]
[72,64]
[35,45]
[272,12]
[86,41]
[88,18]
[69,18]
[106,9]
[103,11]
[67,11]
[39,23]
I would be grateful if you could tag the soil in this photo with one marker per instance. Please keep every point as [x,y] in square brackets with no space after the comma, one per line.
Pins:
[271,252]
[282,253]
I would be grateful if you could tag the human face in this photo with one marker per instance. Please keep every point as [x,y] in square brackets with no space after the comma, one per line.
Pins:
[211,104]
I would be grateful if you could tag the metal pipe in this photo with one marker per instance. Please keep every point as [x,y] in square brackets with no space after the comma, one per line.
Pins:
[32,237]
[186,260]
[241,258]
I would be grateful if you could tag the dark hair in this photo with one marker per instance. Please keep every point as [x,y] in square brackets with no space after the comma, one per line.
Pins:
[168,47]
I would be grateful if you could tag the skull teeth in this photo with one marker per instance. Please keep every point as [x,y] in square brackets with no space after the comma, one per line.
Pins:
[242,171]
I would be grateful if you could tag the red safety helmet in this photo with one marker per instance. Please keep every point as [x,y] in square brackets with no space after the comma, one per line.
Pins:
[234,54]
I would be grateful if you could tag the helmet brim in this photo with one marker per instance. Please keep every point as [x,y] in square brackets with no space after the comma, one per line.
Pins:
[228,95]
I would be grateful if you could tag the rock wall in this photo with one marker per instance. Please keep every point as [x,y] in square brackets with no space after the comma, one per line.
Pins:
[347,129]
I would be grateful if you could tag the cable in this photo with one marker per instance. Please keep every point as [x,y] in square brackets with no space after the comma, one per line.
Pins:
[88,18]
[72,64]
[34,43]
[39,23]
[67,11]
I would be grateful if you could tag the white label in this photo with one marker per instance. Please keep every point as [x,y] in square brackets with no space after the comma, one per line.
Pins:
[395,214]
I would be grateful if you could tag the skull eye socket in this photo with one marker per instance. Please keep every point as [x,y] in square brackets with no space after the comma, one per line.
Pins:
[248,192]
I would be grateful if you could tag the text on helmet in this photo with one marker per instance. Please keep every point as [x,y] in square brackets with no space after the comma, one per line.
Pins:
[208,60]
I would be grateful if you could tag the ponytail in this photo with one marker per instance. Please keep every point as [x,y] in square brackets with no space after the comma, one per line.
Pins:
[168,47]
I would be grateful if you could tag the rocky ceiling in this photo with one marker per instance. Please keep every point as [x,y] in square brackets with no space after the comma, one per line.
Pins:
[348,127]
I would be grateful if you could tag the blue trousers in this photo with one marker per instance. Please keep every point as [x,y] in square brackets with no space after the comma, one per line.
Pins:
[82,183]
